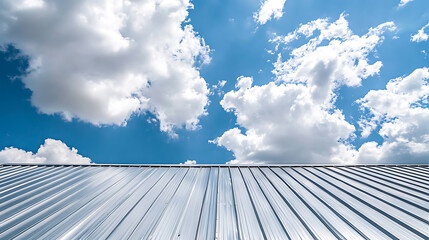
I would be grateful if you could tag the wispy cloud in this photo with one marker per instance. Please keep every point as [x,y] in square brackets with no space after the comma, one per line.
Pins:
[420,36]
[269,9]
[404,2]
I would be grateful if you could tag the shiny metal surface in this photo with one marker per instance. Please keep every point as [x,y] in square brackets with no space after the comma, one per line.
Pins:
[214,202]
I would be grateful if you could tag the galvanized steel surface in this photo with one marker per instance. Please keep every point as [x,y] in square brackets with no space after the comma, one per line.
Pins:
[214,202]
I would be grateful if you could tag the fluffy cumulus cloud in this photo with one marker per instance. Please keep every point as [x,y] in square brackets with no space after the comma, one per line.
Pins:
[103,61]
[51,152]
[189,162]
[294,119]
[420,36]
[401,111]
[269,9]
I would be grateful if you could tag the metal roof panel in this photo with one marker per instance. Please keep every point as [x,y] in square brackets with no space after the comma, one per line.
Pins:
[214,201]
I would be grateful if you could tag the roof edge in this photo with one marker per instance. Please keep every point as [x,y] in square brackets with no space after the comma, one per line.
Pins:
[215,165]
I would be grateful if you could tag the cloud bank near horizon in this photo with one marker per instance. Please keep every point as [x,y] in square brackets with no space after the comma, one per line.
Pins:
[50,152]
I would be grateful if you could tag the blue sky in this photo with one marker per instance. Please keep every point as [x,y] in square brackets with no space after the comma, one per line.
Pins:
[46,72]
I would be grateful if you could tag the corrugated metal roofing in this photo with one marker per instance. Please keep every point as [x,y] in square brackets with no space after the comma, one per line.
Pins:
[214,202]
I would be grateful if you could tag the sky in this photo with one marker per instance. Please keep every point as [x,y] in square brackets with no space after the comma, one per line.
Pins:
[214,82]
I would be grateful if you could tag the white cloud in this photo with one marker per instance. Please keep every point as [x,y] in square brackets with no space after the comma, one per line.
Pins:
[218,88]
[189,162]
[403,2]
[401,111]
[51,152]
[269,9]
[420,36]
[306,30]
[103,61]
[283,124]
[294,120]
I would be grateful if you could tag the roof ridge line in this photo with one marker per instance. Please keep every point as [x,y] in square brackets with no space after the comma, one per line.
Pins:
[216,165]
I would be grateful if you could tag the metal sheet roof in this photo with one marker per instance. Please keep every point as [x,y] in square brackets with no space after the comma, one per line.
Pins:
[209,202]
